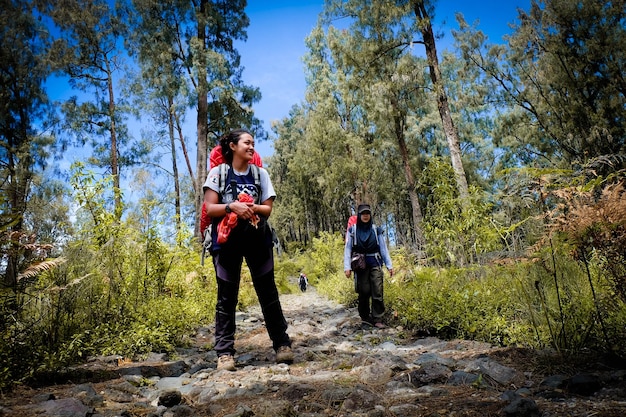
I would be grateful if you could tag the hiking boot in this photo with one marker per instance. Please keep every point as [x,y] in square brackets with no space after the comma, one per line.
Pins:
[226,363]
[284,354]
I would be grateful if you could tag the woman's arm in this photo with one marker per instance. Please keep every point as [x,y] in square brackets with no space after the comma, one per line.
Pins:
[265,208]
[384,252]
[347,253]
[243,210]
[213,207]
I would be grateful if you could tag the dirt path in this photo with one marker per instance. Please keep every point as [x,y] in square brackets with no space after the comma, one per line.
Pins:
[342,367]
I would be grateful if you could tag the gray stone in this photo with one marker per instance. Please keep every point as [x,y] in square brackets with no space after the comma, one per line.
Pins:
[583,384]
[64,407]
[501,374]
[433,357]
[462,378]
[170,398]
[405,410]
[522,407]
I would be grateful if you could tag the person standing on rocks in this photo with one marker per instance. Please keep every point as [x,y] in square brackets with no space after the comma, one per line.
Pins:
[239,199]
[367,239]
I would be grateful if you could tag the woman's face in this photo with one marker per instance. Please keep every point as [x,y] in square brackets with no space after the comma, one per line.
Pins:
[244,148]
[366,216]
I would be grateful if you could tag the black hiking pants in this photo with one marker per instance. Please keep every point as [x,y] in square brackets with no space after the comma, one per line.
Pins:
[369,286]
[260,260]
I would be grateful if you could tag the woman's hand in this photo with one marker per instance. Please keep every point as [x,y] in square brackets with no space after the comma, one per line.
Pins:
[242,210]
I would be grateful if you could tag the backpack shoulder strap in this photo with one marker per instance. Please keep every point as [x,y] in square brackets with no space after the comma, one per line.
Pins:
[256,173]
[375,232]
[222,178]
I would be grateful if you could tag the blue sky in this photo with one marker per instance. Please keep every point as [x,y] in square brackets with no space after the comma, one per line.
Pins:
[272,55]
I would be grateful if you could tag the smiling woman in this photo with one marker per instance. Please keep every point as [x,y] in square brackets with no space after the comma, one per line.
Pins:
[245,201]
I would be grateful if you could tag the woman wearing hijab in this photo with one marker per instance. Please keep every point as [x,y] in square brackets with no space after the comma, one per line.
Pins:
[367,239]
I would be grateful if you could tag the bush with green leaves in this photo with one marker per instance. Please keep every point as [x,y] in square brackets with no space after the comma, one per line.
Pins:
[456,303]
[573,306]
[457,231]
[121,290]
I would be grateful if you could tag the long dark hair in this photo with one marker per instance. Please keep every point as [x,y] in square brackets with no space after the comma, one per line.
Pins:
[231,137]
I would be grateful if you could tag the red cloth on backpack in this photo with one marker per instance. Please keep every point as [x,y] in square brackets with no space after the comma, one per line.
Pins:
[229,221]
[351,222]
[216,158]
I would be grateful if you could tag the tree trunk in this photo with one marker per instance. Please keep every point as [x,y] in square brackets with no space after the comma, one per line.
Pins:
[418,234]
[183,146]
[442,98]
[16,198]
[117,192]
[202,120]
[170,122]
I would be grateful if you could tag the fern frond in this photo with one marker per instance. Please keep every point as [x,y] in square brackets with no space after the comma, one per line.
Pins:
[39,267]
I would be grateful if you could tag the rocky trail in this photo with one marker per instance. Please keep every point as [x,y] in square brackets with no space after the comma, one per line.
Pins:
[342,367]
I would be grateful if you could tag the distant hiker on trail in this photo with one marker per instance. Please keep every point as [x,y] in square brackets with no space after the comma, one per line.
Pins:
[364,253]
[239,208]
[303,282]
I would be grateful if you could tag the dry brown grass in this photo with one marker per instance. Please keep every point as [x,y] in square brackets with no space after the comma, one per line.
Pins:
[595,224]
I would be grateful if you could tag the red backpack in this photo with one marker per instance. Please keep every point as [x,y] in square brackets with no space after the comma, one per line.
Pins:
[351,222]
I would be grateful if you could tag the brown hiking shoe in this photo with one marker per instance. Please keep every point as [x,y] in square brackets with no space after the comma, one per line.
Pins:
[284,354]
[226,363]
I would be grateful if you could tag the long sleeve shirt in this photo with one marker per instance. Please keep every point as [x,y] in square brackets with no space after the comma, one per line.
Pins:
[382,244]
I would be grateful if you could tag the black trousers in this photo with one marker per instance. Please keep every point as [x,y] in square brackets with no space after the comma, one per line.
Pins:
[260,260]
[369,286]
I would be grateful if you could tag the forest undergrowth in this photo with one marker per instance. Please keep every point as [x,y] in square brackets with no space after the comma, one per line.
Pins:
[134,295]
